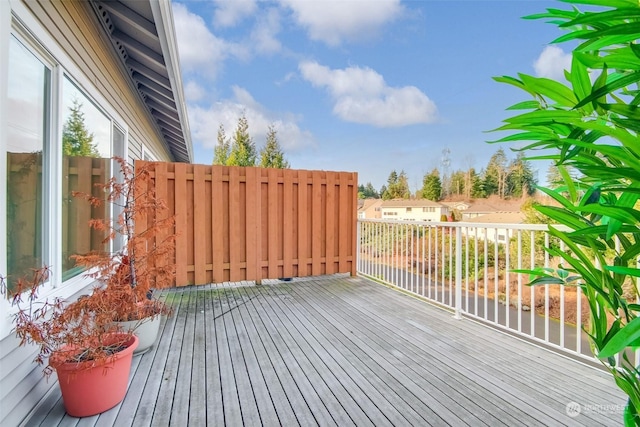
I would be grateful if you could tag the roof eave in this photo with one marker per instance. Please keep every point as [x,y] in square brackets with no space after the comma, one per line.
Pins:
[163,14]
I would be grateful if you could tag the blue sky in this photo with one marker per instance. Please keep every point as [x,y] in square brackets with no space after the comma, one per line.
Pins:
[366,85]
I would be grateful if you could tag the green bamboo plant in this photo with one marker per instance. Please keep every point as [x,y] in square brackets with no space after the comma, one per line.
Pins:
[591,123]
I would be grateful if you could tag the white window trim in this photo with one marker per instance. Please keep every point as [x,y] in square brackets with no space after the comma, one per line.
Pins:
[146,152]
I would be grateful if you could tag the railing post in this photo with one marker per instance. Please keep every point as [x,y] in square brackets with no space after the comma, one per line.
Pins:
[458,307]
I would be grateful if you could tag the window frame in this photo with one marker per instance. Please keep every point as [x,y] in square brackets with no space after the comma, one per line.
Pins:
[23,25]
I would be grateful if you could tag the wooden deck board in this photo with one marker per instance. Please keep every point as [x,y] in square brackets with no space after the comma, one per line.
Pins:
[341,351]
[499,365]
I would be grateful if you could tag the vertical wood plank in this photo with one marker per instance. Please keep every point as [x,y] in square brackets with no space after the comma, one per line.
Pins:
[252,234]
[235,222]
[287,224]
[344,236]
[353,222]
[180,185]
[317,227]
[303,224]
[331,209]
[199,219]
[217,232]
[272,191]
[161,191]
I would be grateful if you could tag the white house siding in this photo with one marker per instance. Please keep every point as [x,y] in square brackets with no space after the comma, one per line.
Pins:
[69,34]
[413,210]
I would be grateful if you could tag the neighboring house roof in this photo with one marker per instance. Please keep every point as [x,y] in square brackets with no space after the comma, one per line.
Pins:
[410,203]
[455,205]
[369,203]
[491,206]
[143,34]
[499,218]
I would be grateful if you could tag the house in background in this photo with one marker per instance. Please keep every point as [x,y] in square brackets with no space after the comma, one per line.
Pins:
[459,205]
[413,210]
[493,233]
[370,209]
[110,66]
[492,205]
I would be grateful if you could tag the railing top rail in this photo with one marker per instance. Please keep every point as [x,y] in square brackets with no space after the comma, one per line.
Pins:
[466,224]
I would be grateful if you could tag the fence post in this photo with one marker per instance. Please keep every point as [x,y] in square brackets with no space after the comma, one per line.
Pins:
[458,307]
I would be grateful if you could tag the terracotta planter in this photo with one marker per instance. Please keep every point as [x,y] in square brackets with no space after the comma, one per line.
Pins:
[146,330]
[89,390]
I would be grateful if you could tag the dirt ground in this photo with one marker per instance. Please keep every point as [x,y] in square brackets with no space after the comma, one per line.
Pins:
[488,285]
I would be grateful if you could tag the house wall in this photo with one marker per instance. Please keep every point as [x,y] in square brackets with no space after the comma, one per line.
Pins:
[415,214]
[71,38]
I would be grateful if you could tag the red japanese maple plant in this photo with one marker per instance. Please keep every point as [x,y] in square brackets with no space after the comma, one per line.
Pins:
[146,261]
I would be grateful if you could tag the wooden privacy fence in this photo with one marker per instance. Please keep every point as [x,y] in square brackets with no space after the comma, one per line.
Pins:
[247,223]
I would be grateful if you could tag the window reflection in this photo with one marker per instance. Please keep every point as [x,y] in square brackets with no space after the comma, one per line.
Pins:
[27,117]
[86,149]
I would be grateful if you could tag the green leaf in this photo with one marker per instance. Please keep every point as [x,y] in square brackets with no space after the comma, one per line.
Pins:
[581,81]
[621,13]
[605,3]
[600,89]
[550,89]
[525,105]
[628,271]
[627,334]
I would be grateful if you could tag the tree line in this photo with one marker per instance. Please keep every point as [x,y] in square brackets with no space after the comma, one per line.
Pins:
[503,177]
[240,149]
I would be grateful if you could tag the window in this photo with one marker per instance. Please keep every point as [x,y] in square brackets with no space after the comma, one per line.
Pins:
[86,158]
[146,155]
[429,209]
[408,209]
[60,139]
[28,119]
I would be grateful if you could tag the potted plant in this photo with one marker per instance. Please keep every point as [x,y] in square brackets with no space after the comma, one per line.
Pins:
[146,260]
[90,355]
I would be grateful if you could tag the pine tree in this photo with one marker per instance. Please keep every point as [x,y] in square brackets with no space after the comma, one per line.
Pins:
[221,151]
[243,150]
[76,139]
[398,187]
[271,156]
[495,178]
[432,186]
[520,180]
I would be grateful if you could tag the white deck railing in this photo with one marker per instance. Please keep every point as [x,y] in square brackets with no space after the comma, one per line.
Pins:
[468,267]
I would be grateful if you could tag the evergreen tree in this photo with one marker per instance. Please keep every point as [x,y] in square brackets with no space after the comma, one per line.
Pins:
[496,174]
[432,186]
[243,149]
[398,187]
[76,139]
[458,185]
[221,151]
[477,190]
[370,192]
[520,180]
[271,156]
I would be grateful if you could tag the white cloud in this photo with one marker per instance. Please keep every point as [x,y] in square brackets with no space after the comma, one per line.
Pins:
[199,49]
[552,62]
[229,12]
[265,31]
[193,91]
[362,96]
[335,21]
[204,122]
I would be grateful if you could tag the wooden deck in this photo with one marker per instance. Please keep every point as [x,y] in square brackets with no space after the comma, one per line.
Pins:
[342,351]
